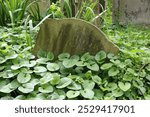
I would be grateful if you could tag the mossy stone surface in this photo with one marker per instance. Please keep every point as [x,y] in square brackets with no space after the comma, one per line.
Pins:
[73,36]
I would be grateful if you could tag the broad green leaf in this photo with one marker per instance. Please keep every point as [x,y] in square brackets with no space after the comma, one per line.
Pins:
[148,68]
[86,57]
[148,77]
[100,56]
[2,67]
[106,66]
[142,90]
[97,79]
[68,63]
[75,57]
[50,56]
[113,71]
[117,93]
[132,71]
[42,60]
[47,88]
[41,54]
[2,60]
[23,78]
[79,69]
[88,84]
[46,78]
[39,69]
[20,97]
[87,93]
[26,70]
[63,56]
[26,88]
[142,73]
[3,83]
[55,79]
[40,96]
[88,74]
[52,67]
[124,86]
[7,98]
[6,89]
[34,81]
[15,67]
[147,97]
[28,63]
[128,77]
[80,63]
[64,82]
[11,55]
[98,94]
[110,55]
[93,66]
[74,86]
[72,94]
[9,73]
[109,96]
[14,84]
[57,95]
[111,86]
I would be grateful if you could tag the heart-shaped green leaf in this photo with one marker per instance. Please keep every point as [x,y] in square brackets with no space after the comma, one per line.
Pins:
[9,73]
[39,69]
[124,86]
[14,84]
[106,66]
[63,56]
[117,93]
[47,88]
[87,93]
[42,60]
[57,95]
[55,79]
[98,94]
[64,82]
[50,56]
[100,56]
[6,89]
[46,78]
[113,71]
[68,63]
[72,94]
[86,57]
[74,86]
[88,84]
[93,66]
[97,79]
[11,55]
[52,67]
[111,86]
[80,63]
[26,88]
[23,78]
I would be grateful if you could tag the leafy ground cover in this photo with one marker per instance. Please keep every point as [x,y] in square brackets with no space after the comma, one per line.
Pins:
[100,76]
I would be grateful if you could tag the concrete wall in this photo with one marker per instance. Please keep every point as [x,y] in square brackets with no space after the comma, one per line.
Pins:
[131,11]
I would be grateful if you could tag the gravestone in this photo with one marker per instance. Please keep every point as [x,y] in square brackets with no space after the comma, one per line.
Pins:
[131,11]
[73,36]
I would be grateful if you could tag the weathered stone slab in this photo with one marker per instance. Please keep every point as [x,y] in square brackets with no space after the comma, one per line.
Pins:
[131,11]
[73,36]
